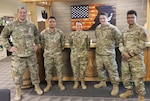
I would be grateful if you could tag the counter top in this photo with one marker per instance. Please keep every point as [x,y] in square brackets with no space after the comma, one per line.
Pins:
[148,44]
[93,45]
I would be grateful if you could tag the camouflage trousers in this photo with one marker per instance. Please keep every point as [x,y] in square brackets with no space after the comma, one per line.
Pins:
[133,69]
[50,63]
[108,63]
[19,65]
[79,65]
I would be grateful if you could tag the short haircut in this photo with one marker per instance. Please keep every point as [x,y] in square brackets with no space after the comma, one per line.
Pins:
[132,12]
[51,17]
[21,7]
[104,13]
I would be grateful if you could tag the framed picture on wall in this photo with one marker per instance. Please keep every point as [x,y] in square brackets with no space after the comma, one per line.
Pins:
[89,15]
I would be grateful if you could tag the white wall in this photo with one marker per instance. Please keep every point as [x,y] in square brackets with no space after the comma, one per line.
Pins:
[8,9]
[39,16]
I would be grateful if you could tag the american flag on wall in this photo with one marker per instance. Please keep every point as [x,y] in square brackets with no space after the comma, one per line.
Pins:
[89,15]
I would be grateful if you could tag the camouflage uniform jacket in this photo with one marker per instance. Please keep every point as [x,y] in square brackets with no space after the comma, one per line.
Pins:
[52,42]
[133,40]
[107,38]
[24,37]
[79,43]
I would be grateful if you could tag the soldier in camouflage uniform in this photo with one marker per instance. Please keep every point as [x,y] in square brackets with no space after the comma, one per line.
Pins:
[108,37]
[132,45]
[25,40]
[53,42]
[79,44]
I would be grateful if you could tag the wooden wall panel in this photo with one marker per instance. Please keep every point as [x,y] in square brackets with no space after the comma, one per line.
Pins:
[146,61]
[61,10]
[148,65]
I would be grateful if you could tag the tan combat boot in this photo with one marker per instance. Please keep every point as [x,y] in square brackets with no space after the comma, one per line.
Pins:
[76,85]
[115,90]
[38,89]
[61,86]
[127,94]
[100,84]
[141,98]
[83,85]
[48,87]
[18,94]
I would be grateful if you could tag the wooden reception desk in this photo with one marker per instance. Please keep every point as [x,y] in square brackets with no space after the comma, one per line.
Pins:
[91,72]
[147,62]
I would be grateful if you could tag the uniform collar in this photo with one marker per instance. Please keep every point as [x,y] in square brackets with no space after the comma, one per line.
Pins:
[50,31]
[133,27]
[22,22]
